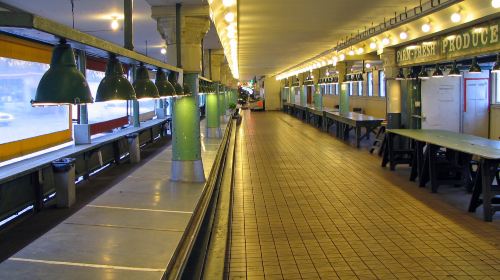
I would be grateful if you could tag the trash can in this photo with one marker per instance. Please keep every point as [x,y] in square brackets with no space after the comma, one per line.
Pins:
[64,180]
[134,147]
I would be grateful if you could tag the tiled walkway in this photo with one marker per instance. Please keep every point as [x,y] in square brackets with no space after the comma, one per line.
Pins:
[309,206]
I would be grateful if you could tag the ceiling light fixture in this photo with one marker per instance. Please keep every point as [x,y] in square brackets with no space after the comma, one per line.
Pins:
[163,50]
[114,86]
[368,65]
[229,17]
[114,24]
[496,66]
[423,74]
[341,57]
[351,52]
[373,45]
[400,75]
[495,4]
[456,17]
[454,72]
[385,41]
[438,73]
[475,68]
[361,50]
[63,83]
[144,87]
[403,35]
[228,3]
[426,27]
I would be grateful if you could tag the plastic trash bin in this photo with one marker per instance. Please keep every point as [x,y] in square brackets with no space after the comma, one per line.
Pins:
[64,180]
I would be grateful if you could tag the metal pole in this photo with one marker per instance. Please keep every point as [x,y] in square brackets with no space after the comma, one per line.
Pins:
[178,33]
[128,28]
[82,66]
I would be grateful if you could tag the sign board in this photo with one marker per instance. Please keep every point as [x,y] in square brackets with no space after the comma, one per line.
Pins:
[471,41]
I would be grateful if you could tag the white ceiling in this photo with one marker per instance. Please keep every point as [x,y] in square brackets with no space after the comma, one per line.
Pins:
[277,34]
[93,17]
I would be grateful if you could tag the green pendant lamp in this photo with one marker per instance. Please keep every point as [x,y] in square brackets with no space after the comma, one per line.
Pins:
[172,78]
[475,68]
[454,72]
[114,86]
[165,88]
[144,87]
[400,75]
[438,73]
[63,83]
[423,74]
[496,66]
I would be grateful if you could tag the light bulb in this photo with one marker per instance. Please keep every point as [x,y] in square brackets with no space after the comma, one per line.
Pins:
[229,17]
[373,45]
[114,24]
[368,65]
[385,41]
[456,17]
[163,50]
[361,50]
[426,27]
[403,35]
[341,57]
[495,4]
[227,3]
[351,52]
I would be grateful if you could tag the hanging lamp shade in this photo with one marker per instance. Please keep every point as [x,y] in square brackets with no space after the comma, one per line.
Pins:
[165,88]
[172,78]
[496,66]
[144,87]
[412,75]
[63,83]
[423,74]
[187,90]
[114,86]
[400,75]
[438,73]
[474,68]
[454,72]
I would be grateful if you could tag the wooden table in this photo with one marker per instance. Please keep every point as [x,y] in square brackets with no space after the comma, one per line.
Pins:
[288,107]
[350,120]
[315,114]
[426,165]
[300,111]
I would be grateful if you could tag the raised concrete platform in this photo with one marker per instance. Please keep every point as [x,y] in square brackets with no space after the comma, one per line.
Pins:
[129,232]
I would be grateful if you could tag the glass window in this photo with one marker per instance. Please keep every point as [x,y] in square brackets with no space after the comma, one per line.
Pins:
[18,119]
[381,80]
[360,88]
[370,83]
[102,111]
[497,87]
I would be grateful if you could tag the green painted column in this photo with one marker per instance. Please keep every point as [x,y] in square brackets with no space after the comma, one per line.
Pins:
[213,117]
[318,98]
[303,96]
[186,143]
[344,97]
[222,105]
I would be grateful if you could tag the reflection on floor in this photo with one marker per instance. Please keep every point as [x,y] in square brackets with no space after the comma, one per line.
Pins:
[308,206]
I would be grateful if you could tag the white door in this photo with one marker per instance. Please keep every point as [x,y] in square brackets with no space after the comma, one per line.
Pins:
[476,103]
[441,103]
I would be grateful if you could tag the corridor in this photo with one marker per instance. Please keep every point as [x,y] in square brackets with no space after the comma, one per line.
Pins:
[309,206]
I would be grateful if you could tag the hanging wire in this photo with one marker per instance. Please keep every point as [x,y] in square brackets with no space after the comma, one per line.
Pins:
[73,12]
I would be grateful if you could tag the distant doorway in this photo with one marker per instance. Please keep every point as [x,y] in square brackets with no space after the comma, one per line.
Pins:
[309,94]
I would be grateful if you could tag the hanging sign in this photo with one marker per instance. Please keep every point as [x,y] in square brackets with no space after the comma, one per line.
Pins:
[467,42]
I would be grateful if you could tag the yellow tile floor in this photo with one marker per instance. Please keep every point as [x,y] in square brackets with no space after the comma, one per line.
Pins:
[308,206]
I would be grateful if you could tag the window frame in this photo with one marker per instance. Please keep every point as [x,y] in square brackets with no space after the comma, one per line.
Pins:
[381,83]
[16,48]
